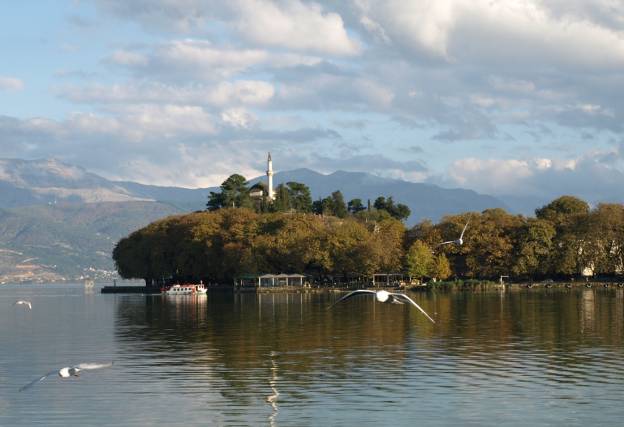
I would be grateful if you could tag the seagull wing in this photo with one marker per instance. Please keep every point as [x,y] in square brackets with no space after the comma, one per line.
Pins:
[461,236]
[351,294]
[87,366]
[446,243]
[38,380]
[414,304]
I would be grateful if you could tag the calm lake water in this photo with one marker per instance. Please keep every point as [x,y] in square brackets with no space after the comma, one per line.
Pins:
[524,357]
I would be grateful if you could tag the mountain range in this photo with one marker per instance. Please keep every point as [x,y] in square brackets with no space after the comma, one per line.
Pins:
[60,221]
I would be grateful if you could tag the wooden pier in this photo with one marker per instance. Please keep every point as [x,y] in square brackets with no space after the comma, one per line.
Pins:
[130,290]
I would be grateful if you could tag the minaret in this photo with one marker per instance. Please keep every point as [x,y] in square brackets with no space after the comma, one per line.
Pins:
[270,178]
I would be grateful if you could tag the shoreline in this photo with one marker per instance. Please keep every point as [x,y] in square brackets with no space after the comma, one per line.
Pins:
[480,287]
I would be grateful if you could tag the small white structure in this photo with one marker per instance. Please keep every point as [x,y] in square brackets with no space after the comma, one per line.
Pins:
[269,172]
[186,289]
[269,280]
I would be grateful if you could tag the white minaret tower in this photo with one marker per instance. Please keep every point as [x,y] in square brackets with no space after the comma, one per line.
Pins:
[270,178]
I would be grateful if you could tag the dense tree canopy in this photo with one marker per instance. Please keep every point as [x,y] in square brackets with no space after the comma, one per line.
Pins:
[398,211]
[355,205]
[566,239]
[225,243]
[234,193]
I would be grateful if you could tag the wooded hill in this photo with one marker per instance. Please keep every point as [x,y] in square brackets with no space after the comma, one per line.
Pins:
[565,238]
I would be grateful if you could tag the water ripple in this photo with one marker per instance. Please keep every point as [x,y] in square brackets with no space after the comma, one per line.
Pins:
[538,358]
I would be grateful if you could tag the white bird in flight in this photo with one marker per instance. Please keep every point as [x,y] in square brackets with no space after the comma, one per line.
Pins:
[23,302]
[459,241]
[385,296]
[68,371]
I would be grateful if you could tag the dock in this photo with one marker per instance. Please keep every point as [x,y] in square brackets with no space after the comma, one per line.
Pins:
[130,290]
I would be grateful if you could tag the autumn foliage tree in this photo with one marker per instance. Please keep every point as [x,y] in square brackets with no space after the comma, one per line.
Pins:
[565,239]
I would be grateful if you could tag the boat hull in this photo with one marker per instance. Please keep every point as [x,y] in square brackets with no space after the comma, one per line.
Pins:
[185,290]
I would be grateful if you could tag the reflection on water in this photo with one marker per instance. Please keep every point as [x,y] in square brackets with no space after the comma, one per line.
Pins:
[272,399]
[506,357]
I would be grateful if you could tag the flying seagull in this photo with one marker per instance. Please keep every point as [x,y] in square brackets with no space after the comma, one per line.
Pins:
[68,371]
[459,241]
[385,296]
[23,302]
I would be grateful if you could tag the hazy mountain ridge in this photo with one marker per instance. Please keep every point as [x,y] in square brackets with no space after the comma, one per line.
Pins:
[28,182]
[68,240]
[424,200]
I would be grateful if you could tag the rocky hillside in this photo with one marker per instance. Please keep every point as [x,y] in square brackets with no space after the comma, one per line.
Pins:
[68,241]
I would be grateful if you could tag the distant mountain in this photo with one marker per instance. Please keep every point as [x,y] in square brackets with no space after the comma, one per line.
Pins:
[524,205]
[28,182]
[189,199]
[68,240]
[424,200]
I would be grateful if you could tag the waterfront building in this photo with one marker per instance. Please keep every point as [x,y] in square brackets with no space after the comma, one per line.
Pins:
[269,280]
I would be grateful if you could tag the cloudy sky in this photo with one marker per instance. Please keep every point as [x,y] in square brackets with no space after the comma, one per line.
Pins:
[518,97]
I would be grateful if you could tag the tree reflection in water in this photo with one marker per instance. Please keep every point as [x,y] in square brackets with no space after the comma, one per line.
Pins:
[233,342]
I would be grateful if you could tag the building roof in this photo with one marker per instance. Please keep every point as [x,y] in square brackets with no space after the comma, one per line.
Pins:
[270,276]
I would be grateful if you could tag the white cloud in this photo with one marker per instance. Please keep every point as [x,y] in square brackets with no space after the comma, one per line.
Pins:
[238,117]
[213,72]
[423,26]
[511,32]
[335,92]
[202,60]
[295,25]
[239,92]
[292,24]
[588,176]
[490,175]
[10,84]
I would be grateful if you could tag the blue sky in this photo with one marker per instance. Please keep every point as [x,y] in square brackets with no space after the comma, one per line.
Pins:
[504,97]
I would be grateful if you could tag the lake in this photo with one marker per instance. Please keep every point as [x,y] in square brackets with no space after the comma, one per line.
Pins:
[521,357]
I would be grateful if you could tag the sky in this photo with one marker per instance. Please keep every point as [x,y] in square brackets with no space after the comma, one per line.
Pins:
[505,97]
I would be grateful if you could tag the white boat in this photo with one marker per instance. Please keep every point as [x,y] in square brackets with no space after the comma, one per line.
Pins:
[186,289]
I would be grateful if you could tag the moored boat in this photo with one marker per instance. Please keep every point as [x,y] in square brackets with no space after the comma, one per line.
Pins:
[185,289]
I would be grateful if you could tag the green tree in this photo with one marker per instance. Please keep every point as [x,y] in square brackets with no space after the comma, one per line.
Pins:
[327,206]
[419,260]
[488,246]
[601,237]
[300,197]
[355,206]
[533,248]
[441,268]
[261,204]
[390,237]
[317,207]
[234,193]
[425,231]
[398,211]
[571,252]
[215,201]
[338,204]
[282,202]
[380,203]
[562,210]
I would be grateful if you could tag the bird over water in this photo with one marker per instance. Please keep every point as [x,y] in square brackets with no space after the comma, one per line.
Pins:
[385,296]
[23,302]
[459,241]
[68,371]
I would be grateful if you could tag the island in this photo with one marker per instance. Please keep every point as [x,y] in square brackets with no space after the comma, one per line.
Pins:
[244,236]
